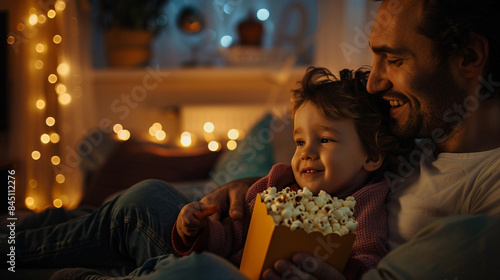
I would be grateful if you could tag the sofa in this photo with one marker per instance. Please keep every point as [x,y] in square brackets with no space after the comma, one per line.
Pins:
[115,165]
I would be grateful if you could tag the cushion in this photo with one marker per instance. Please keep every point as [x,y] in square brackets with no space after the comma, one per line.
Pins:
[132,162]
[283,143]
[254,155]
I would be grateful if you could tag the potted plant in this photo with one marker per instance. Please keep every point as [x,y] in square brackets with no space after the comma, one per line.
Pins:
[129,27]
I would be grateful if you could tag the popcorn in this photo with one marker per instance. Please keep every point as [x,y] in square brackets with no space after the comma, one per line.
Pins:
[296,225]
[303,210]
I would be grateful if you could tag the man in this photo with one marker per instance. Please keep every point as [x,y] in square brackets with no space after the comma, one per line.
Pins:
[437,63]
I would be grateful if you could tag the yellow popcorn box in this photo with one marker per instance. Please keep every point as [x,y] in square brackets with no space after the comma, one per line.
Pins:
[266,243]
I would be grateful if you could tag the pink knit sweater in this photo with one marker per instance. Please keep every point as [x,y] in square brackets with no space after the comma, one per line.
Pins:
[227,238]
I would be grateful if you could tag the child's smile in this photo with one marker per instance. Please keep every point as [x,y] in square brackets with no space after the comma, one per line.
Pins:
[329,155]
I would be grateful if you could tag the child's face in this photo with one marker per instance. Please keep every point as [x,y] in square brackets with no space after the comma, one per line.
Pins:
[329,155]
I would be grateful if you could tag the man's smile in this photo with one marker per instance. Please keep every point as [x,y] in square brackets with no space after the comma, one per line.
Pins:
[398,106]
[396,103]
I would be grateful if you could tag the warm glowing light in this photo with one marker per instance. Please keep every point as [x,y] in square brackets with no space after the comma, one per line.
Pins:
[42,19]
[157,125]
[233,134]
[45,138]
[161,135]
[60,5]
[52,78]
[58,203]
[61,88]
[124,135]
[57,39]
[38,64]
[60,178]
[55,160]
[31,207]
[64,99]
[33,183]
[20,26]
[263,14]
[51,13]
[40,48]
[117,127]
[40,104]
[231,145]
[29,201]
[186,139]
[155,128]
[214,146]
[50,121]
[54,138]
[33,19]
[35,155]
[152,131]
[11,40]
[209,127]
[63,69]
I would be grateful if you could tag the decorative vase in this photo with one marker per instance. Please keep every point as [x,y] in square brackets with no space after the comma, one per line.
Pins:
[127,48]
[250,31]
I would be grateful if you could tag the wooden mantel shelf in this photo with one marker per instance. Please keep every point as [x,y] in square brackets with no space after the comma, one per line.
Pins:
[181,86]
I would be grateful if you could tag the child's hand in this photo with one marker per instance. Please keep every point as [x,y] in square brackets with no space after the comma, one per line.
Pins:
[191,220]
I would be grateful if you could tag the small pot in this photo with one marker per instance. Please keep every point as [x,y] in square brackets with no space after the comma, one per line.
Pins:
[127,48]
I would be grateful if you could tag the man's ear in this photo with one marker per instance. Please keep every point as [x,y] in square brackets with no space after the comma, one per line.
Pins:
[372,164]
[474,56]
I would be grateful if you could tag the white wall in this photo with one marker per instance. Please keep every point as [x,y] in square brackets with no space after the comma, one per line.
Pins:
[343,33]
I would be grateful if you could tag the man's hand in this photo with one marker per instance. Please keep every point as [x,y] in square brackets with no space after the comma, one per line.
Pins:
[230,198]
[304,266]
[191,220]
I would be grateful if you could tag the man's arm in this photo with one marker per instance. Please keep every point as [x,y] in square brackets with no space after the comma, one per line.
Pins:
[230,198]
[457,247]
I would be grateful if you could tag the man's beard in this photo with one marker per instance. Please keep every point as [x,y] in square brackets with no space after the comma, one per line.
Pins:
[439,93]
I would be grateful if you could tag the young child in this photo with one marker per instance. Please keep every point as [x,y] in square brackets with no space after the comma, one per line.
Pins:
[343,146]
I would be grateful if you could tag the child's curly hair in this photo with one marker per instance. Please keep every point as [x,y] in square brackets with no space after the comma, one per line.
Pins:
[347,98]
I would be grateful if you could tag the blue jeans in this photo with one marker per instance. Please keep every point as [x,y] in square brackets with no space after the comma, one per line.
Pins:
[458,247]
[195,266]
[127,231]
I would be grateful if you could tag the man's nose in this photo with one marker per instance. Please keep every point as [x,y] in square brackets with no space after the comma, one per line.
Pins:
[377,80]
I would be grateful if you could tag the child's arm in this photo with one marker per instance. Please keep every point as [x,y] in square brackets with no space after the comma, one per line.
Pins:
[191,220]
[227,237]
[371,240]
[280,176]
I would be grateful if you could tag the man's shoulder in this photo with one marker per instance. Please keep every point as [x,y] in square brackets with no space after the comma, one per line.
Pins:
[473,164]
